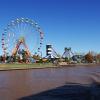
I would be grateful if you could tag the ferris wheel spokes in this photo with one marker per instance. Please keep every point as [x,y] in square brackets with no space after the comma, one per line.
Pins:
[22,27]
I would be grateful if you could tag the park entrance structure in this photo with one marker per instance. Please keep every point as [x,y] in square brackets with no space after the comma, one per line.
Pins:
[20,35]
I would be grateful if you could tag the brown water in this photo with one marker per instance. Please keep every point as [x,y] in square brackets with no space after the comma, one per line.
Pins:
[18,83]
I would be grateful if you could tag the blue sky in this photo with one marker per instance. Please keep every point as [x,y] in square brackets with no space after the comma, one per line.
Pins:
[66,23]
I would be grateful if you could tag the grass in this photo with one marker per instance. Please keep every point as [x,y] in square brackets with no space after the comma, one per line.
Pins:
[25,66]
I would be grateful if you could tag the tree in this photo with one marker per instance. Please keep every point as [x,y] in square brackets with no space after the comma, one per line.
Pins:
[98,58]
[89,58]
[36,57]
[24,55]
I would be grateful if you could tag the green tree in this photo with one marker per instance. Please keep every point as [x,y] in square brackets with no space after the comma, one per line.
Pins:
[98,58]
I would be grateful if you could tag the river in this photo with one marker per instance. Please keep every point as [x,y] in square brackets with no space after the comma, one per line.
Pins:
[19,83]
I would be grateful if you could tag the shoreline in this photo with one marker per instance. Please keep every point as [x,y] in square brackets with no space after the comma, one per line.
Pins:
[81,64]
[14,66]
[8,67]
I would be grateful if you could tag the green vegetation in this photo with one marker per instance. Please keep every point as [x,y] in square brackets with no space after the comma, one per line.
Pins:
[25,66]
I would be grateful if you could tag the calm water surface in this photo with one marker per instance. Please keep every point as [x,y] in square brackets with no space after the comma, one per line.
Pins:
[18,83]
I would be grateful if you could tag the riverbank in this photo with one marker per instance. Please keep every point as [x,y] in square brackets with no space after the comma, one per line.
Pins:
[82,64]
[17,66]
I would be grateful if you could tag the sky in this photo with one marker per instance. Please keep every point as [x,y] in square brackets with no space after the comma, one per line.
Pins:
[66,23]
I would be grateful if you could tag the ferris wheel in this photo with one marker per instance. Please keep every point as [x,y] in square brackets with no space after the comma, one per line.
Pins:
[22,33]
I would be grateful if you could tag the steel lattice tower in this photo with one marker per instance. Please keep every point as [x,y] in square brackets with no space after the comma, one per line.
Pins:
[67,53]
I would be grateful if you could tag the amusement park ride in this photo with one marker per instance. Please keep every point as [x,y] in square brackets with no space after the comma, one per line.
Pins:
[21,34]
[67,53]
[50,52]
[22,39]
